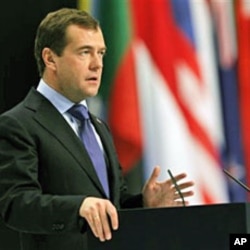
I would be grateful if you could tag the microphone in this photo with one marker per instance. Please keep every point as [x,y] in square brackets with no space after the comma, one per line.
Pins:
[236,180]
[177,187]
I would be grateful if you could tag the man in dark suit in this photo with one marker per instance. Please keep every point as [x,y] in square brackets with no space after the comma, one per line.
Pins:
[49,188]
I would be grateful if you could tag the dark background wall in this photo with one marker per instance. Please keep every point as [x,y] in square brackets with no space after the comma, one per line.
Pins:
[18,22]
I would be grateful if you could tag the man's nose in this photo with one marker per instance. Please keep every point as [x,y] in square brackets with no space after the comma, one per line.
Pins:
[96,62]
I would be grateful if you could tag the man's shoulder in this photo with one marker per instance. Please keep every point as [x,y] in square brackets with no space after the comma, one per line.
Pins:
[31,102]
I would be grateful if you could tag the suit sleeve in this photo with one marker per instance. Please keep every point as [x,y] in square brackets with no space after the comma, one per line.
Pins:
[23,205]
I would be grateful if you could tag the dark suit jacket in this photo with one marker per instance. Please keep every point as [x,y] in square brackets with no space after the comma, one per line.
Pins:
[45,174]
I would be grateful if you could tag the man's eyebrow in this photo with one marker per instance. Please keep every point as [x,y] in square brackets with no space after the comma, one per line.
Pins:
[91,47]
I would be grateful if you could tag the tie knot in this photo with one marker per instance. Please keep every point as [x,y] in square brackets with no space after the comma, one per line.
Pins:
[79,111]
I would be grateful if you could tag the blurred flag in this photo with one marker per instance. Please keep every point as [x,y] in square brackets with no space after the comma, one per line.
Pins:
[119,87]
[232,153]
[162,92]
[178,93]
[243,25]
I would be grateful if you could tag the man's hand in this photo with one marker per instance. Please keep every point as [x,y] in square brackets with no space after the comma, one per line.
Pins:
[164,194]
[100,215]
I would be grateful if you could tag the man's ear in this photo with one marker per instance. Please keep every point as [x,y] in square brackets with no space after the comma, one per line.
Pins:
[48,57]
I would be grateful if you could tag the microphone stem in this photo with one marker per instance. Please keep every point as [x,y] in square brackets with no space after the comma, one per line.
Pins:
[236,180]
[177,187]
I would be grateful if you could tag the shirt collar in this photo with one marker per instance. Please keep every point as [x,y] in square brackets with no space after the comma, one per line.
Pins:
[61,103]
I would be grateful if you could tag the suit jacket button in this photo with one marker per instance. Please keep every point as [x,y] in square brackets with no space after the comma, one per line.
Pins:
[57,227]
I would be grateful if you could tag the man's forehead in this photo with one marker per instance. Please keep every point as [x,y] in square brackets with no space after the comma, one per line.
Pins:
[86,36]
[75,27]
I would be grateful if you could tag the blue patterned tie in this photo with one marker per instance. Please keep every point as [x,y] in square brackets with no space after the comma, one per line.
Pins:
[88,138]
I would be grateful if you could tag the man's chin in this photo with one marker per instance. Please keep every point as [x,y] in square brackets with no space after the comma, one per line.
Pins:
[92,94]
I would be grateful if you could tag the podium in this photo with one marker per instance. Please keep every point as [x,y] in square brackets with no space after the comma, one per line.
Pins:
[206,227]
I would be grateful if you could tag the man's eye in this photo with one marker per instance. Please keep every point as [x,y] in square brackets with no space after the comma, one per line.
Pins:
[102,53]
[84,52]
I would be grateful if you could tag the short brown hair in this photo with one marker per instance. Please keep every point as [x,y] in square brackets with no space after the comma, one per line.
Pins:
[51,32]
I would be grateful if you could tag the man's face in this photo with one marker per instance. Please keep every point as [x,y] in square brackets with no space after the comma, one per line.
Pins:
[79,68]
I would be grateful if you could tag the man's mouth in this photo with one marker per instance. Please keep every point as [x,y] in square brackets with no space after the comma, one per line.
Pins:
[92,78]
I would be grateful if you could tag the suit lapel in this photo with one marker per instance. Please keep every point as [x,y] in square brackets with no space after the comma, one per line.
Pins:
[51,120]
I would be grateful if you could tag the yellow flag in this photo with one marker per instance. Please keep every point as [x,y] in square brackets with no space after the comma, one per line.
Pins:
[83,4]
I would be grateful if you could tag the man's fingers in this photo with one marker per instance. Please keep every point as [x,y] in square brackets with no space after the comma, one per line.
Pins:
[99,227]
[113,215]
[180,176]
[188,193]
[180,203]
[183,185]
[186,185]
[154,175]
[101,215]
[92,223]
[109,218]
